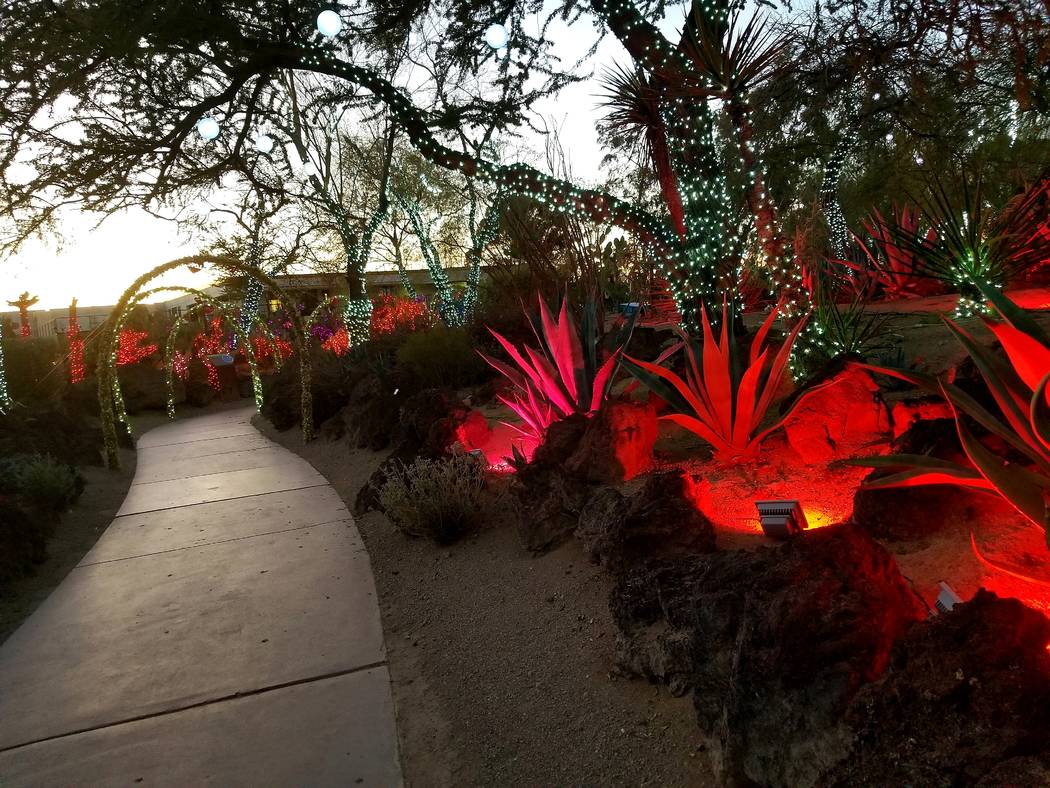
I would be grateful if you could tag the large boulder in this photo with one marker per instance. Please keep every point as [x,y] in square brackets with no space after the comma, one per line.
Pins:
[775,644]
[840,417]
[547,498]
[660,520]
[617,444]
[966,701]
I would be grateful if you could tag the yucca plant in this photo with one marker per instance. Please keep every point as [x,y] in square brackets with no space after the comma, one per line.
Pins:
[564,375]
[977,248]
[890,264]
[1019,385]
[720,400]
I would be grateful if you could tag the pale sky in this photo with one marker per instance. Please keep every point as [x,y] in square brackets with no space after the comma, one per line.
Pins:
[95,265]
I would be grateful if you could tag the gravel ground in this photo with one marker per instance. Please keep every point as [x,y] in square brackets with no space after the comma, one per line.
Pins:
[501,662]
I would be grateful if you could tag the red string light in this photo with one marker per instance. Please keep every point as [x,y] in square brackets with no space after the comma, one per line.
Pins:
[131,349]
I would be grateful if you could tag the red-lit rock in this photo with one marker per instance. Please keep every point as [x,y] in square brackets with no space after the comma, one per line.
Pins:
[966,701]
[617,444]
[905,414]
[845,417]
[474,431]
[775,643]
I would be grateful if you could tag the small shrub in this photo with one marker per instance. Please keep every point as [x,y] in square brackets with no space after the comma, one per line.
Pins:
[23,542]
[441,357]
[41,482]
[442,499]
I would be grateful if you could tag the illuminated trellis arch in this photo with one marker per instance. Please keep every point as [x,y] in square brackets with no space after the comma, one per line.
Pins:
[107,369]
[200,295]
[226,312]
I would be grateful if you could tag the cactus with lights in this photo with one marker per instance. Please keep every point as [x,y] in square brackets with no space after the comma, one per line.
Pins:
[5,395]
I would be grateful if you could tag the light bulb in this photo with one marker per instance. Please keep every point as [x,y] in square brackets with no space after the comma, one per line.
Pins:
[208,128]
[264,143]
[496,36]
[329,23]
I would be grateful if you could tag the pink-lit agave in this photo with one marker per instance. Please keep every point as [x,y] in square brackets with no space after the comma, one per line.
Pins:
[717,401]
[562,376]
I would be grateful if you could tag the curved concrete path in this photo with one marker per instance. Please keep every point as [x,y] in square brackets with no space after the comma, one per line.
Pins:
[224,630]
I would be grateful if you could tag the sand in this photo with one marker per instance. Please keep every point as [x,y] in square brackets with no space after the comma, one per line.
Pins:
[502,662]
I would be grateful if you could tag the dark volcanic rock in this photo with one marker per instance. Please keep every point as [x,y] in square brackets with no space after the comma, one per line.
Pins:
[547,498]
[966,701]
[661,520]
[775,644]
[841,417]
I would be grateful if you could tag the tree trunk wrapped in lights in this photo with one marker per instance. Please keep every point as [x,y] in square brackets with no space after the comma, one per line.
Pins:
[5,395]
[76,346]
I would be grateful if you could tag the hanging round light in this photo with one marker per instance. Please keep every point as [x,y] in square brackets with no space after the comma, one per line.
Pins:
[920,160]
[329,23]
[208,128]
[264,143]
[496,36]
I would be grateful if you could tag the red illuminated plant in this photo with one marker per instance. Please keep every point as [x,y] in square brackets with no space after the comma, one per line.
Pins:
[1020,388]
[719,400]
[562,376]
[897,268]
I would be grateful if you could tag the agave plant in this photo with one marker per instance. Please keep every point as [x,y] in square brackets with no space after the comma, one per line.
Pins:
[897,269]
[719,400]
[976,247]
[1020,388]
[563,375]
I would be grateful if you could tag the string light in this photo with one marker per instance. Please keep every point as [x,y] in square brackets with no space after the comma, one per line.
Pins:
[5,395]
[76,346]
[131,349]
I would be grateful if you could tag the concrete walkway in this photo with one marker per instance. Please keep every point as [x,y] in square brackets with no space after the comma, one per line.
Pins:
[224,630]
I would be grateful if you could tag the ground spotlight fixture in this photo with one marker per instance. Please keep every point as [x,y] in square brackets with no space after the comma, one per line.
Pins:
[781,519]
[947,598]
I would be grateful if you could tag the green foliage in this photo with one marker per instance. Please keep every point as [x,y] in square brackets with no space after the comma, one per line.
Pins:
[31,371]
[441,356]
[42,482]
[440,499]
[975,247]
